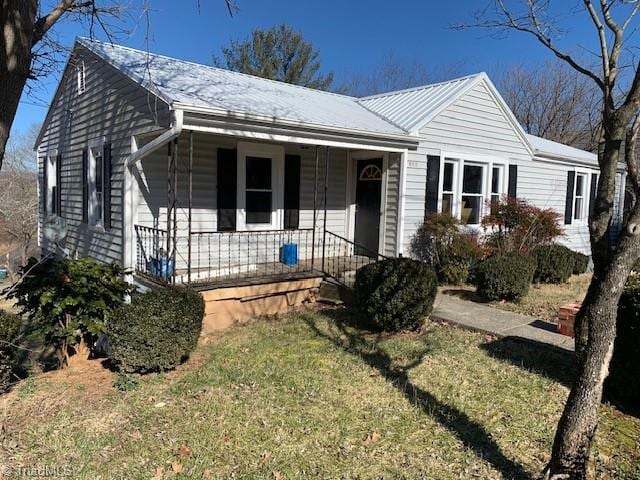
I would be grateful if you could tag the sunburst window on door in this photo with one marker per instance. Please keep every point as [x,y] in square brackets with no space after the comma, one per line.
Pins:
[371,172]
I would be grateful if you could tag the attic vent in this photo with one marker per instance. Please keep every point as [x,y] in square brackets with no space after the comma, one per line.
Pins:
[81,78]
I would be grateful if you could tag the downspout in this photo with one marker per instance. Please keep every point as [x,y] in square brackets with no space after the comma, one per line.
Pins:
[156,143]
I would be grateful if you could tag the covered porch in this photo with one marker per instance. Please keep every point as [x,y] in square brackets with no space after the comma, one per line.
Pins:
[215,210]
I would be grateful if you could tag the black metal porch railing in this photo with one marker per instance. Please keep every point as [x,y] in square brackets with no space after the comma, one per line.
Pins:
[234,257]
[341,258]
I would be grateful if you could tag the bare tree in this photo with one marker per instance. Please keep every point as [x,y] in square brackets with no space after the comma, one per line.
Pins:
[394,73]
[18,194]
[28,50]
[616,74]
[555,102]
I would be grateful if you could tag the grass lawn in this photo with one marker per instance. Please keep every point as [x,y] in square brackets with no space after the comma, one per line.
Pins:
[308,396]
[543,300]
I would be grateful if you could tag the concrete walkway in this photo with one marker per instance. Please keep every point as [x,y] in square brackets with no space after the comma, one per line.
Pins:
[487,319]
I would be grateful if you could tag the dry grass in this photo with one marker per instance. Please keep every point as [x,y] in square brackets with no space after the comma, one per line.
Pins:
[311,397]
[543,301]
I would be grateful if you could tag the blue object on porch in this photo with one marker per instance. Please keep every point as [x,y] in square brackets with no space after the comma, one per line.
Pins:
[161,267]
[289,254]
[3,273]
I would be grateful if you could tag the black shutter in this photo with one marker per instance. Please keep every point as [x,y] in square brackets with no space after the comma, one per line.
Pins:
[433,180]
[85,186]
[512,188]
[291,191]
[227,182]
[106,187]
[593,193]
[568,206]
[59,185]
[45,186]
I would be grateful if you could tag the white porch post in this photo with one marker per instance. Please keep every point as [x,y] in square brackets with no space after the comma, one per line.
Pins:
[129,216]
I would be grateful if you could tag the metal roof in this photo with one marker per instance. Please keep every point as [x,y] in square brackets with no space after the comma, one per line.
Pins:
[223,91]
[549,148]
[413,108]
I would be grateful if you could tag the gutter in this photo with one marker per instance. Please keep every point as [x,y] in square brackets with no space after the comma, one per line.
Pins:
[272,122]
[156,143]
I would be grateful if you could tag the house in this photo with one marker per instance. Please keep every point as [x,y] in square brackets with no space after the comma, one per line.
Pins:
[194,174]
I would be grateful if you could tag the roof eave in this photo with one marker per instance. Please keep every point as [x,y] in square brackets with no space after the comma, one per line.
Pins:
[410,140]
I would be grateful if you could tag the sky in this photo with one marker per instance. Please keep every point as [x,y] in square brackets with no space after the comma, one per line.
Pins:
[352,36]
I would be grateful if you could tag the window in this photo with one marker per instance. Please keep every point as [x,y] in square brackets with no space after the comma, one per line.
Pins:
[97,183]
[260,193]
[579,197]
[51,200]
[496,184]
[258,190]
[472,194]
[447,187]
[81,78]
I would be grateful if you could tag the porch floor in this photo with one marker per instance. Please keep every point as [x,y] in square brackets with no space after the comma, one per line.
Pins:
[342,268]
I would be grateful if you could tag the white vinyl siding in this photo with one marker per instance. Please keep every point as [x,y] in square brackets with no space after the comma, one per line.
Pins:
[112,107]
[475,125]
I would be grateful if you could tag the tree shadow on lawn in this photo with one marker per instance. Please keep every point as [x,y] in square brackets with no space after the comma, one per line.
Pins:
[546,360]
[472,434]
[551,362]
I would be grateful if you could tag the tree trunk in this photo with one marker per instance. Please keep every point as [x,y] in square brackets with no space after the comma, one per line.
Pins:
[17,20]
[596,321]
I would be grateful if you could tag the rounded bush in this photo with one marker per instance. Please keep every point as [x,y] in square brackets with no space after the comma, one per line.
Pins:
[505,277]
[157,331]
[396,294]
[10,327]
[581,263]
[623,382]
[555,263]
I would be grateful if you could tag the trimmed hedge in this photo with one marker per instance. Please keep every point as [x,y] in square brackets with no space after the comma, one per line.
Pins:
[396,294]
[10,326]
[623,382]
[555,263]
[157,331]
[505,277]
[581,263]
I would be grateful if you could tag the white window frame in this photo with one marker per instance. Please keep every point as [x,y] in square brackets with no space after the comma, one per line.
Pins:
[51,165]
[501,182]
[81,77]
[453,191]
[276,154]
[96,148]
[584,217]
[459,160]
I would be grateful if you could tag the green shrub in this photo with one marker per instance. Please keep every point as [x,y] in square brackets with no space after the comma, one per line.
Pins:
[505,277]
[581,263]
[10,329]
[125,382]
[156,331]
[451,252]
[555,263]
[69,302]
[623,382]
[396,294]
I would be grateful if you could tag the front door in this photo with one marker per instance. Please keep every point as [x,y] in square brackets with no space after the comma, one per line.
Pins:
[368,197]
